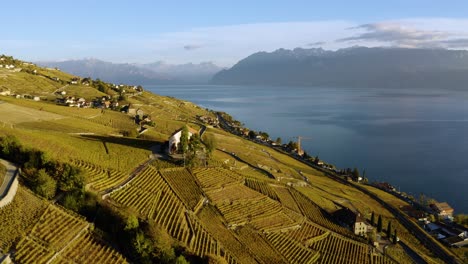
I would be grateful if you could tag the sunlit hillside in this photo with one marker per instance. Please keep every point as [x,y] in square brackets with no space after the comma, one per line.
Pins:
[243,202]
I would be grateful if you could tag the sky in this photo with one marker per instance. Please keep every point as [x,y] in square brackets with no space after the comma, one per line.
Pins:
[222,32]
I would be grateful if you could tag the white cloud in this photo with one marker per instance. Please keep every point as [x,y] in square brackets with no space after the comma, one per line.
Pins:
[225,45]
[412,33]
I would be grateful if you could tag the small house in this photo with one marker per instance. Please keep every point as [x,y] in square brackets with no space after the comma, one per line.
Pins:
[174,139]
[4,92]
[352,220]
[442,209]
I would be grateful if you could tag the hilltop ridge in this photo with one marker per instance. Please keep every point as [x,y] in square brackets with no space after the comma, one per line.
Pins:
[352,67]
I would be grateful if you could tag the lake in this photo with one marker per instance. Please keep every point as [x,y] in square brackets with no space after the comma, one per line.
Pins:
[415,139]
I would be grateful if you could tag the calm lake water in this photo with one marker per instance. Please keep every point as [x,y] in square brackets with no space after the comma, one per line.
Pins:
[416,140]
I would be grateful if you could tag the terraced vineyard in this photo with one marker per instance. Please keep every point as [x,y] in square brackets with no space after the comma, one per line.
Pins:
[86,249]
[232,193]
[29,251]
[100,179]
[337,249]
[308,232]
[265,252]
[216,228]
[215,178]
[150,195]
[162,164]
[114,120]
[184,185]
[293,251]
[55,228]
[316,214]
[20,216]
[261,187]
[58,236]
[286,198]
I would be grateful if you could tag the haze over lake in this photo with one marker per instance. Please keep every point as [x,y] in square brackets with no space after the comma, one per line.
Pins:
[415,139]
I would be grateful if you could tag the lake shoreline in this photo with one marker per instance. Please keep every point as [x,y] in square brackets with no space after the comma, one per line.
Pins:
[389,129]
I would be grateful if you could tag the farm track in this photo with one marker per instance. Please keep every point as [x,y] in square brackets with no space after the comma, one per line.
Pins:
[133,174]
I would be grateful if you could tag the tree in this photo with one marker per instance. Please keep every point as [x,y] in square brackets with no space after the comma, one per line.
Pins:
[142,246]
[264,135]
[372,219]
[395,237]
[69,178]
[292,145]
[72,202]
[356,174]
[278,141]
[389,229]
[184,140]
[44,185]
[372,236]
[162,242]
[181,260]
[379,224]
[131,223]
[210,143]
[252,134]
[316,160]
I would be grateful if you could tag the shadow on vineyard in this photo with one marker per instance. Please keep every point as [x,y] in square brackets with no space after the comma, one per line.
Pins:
[124,141]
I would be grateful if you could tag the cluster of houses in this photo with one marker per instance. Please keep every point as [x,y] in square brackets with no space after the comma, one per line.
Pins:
[7,92]
[101,102]
[6,66]
[209,120]
[452,235]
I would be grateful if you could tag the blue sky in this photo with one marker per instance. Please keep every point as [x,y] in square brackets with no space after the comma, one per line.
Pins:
[220,31]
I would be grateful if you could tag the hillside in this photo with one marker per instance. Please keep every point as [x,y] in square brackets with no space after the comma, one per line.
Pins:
[352,67]
[243,202]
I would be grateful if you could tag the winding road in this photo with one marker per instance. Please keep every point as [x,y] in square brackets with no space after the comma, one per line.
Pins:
[8,178]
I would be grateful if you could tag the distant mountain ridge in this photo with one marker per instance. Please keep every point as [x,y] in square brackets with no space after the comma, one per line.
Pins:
[188,72]
[153,73]
[351,67]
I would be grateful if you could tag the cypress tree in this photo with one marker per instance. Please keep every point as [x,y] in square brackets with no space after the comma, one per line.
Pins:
[379,224]
[389,229]
[372,219]
[395,237]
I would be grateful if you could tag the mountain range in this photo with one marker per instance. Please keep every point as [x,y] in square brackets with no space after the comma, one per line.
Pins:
[351,67]
[136,73]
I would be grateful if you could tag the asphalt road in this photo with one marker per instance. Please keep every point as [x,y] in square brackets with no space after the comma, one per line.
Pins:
[8,177]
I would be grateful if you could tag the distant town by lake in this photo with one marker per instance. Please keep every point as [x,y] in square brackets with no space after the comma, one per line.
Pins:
[415,139]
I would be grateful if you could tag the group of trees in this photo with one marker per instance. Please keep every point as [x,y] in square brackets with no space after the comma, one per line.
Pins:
[141,241]
[194,150]
[43,175]
[392,236]
[461,219]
